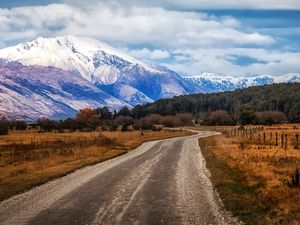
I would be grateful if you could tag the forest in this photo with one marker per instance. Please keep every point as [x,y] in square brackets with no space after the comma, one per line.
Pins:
[242,105]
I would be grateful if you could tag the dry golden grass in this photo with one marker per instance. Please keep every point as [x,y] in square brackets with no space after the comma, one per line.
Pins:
[257,175]
[29,158]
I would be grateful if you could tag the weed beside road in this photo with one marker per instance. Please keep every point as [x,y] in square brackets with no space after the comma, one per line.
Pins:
[257,182]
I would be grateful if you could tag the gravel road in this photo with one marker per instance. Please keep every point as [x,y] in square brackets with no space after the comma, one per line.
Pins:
[160,182]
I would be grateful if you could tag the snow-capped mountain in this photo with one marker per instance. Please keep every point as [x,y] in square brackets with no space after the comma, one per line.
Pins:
[31,92]
[212,82]
[121,75]
[55,77]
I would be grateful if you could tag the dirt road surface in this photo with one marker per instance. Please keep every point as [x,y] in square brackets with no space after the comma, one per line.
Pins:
[160,182]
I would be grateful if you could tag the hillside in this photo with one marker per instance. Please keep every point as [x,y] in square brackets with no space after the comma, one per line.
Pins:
[31,92]
[274,97]
[108,69]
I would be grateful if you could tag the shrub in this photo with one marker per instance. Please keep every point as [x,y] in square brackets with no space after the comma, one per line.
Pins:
[167,121]
[124,112]
[247,116]
[219,117]
[146,123]
[295,180]
[20,125]
[171,121]
[88,118]
[270,117]
[153,118]
[47,124]
[104,113]
[70,124]
[136,125]
[185,118]
[125,127]
[4,126]
[156,128]
[122,120]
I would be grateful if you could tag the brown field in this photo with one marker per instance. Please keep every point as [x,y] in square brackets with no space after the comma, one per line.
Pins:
[253,174]
[29,158]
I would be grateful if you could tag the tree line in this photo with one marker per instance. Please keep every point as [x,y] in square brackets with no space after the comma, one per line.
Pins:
[262,105]
[101,119]
[255,105]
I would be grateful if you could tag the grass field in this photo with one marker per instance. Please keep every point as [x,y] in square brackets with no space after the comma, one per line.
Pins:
[253,176]
[29,158]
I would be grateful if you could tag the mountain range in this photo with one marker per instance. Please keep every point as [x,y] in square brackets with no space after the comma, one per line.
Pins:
[55,77]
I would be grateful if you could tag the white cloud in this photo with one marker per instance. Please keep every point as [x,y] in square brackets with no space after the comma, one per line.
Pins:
[148,54]
[236,4]
[129,25]
[196,42]
[204,4]
[196,61]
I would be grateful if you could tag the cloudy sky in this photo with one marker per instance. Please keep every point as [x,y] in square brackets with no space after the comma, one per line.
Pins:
[235,37]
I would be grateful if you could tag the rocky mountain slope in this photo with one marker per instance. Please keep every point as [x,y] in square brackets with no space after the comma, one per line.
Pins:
[31,92]
[111,70]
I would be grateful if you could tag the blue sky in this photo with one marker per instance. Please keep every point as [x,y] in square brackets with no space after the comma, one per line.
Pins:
[193,36]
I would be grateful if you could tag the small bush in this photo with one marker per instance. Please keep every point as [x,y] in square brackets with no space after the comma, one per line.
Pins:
[219,117]
[20,125]
[270,117]
[4,126]
[47,125]
[146,124]
[295,180]
[154,128]
[243,145]
[136,125]
[125,127]
[185,118]
[169,121]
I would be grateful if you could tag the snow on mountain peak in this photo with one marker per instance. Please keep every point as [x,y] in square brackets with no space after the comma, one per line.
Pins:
[94,60]
[212,82]
[115,74]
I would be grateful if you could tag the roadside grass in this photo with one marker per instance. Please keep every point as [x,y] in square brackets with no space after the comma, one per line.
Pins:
[30,158]
[253,182]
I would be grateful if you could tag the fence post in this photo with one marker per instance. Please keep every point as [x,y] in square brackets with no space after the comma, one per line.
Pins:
[264,138]
[276,139]
[282,140]
[297,141]
[259,139]
[286,140]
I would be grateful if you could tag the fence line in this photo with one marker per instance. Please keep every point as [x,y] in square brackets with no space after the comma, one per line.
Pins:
[264,138]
